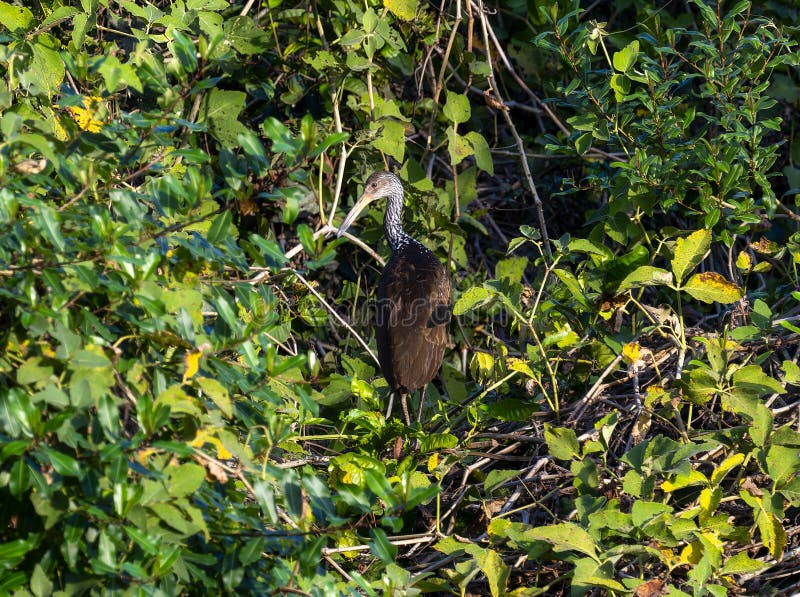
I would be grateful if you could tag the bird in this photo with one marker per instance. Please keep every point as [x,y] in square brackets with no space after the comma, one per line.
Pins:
[413,298]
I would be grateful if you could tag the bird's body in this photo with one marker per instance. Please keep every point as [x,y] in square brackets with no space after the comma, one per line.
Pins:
[413,302]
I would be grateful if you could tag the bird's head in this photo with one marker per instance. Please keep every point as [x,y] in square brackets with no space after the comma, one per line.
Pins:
[378,185]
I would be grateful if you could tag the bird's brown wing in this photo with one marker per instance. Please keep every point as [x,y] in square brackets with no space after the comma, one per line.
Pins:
[412,317]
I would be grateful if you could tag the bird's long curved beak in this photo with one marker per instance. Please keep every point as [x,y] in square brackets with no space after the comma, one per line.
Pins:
[362,202]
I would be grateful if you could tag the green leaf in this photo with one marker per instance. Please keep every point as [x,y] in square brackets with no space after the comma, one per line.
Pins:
[381,547]
[495,570]
[626,57]
[220,227]
[245,36]
[561,442]
[741,563]
[458,146]
[496,477]
[483,155]
[222,109]
[59,15]
[772,533]
[392,138]
[47,220]
[644,512]
[511,269]
[437,441]
[217,393]
[64,464]
[644,275]
[457,108]
[185,479]
[565,537]
[183,49]
[621,86]
[711,287]
[585,122]
[470,299]
[41,586]
[16,18]
[511,409]
[31,372]
[761,428]
[782,464]
[752,379]
[689,252]
[583,143]
[13,551]
[45,72]
[791,372]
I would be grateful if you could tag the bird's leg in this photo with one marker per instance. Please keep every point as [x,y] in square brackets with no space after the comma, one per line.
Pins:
[404,402]
[421,402]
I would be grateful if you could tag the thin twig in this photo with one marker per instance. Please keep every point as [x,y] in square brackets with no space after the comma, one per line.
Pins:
[520,145]
[333,312]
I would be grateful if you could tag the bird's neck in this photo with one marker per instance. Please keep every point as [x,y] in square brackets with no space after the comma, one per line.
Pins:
[393,223]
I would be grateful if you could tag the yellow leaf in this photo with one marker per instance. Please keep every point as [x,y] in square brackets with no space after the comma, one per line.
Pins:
[516,364]
[744,262]
[709,499]
[85,116]
[725,466]
[192,362]
[482,366]
[208,436]
[349,539]
[433,462]
[631,352]
[692,553]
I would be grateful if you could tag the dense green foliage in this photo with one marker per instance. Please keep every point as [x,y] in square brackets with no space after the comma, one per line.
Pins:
[189,404]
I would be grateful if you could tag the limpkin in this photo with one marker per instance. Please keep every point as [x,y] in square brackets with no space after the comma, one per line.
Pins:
[413,299]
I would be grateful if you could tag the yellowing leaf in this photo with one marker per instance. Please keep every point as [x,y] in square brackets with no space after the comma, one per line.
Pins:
[520,365]
[712,287]
[631,352]
[349,539]
[709,499]
[741,563]
[433,462]
[726,465]
[744,262]
[208,436]
[402,9]
[765,247]
[681,481]
[191,361]
[482,365]
[692,553]
[772,534]
[689,252]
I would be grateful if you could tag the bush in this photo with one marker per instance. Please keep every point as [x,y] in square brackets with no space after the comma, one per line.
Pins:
[189,403]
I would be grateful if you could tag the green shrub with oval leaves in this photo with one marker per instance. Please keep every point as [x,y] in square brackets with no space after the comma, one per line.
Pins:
[184,405]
